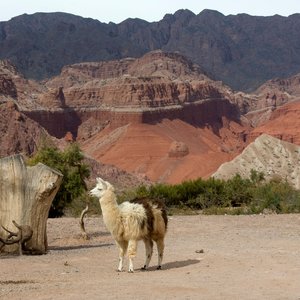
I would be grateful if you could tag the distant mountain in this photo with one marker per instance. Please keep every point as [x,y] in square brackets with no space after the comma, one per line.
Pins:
[241,50]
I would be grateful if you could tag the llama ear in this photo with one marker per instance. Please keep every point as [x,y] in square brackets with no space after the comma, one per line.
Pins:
[109,185]
[99,180]
[104,185]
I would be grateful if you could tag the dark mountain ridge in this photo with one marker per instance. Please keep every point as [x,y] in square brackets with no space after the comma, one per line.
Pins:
[241,50]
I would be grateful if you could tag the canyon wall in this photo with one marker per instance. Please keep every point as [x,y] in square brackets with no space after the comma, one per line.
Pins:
[203,113]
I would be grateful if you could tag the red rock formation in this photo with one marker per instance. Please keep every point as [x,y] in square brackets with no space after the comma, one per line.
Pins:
[128,113]
[153,64]
[144,148]
[7,87]
[53,99]
[156,80]
[69,137]
[269,96]
[14,86]
[178,149]
[282,88]
[158,85]
[284,124]
[19,134]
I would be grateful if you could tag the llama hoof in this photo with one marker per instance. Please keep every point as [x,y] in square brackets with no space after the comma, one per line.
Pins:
[158,268]
[144,268]
[119,270]
[130,271]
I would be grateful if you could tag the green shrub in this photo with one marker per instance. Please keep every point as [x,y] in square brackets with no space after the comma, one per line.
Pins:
[77,205]
[234,196]
[70,163]
[278,196]
[238,191]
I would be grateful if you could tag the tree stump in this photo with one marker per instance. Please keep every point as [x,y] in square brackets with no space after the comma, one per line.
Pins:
[26,195]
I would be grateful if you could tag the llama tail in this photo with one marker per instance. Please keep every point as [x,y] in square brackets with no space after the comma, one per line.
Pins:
[160,205]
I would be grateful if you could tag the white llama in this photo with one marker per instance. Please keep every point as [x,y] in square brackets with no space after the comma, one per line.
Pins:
[132,221]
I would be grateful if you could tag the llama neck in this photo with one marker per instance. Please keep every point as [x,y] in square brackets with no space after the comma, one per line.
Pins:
[110,209]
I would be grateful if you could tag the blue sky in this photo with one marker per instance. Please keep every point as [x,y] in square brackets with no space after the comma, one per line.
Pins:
[149,10]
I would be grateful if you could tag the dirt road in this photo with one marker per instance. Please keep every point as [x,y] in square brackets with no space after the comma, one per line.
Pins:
[243,257]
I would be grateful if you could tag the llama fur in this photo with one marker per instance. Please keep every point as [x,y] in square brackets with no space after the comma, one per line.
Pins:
[132,221]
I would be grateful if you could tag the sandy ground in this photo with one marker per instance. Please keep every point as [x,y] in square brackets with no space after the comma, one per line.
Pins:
[244,257]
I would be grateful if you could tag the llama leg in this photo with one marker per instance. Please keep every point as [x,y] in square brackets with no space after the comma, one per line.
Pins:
[131,254]
[160,249]
[122,251]
[149,251]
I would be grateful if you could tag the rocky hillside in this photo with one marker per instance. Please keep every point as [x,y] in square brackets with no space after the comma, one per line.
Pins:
[241,50]
[274,157]
[168,151]
[15,87]
[87,97]
[283,123]
[157,79]
[158,117]
[154,116]
[19,134]
[280,90]
[139,114]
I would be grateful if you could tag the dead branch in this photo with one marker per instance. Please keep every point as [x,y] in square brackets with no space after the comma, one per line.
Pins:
[23,235]
[11,234]
[81,222]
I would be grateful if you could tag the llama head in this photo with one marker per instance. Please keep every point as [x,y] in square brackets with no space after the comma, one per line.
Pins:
[101,187]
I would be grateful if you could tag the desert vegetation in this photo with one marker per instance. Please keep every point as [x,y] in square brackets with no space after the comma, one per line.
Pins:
[233,196]
[70,163]
[209,196]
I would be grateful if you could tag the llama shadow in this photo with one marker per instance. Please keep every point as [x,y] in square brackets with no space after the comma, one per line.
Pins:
[78,247]
[98,234]
[9,255]
[56,248]
[176,264]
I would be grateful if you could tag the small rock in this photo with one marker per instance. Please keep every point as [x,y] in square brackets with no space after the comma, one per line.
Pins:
[199,251]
